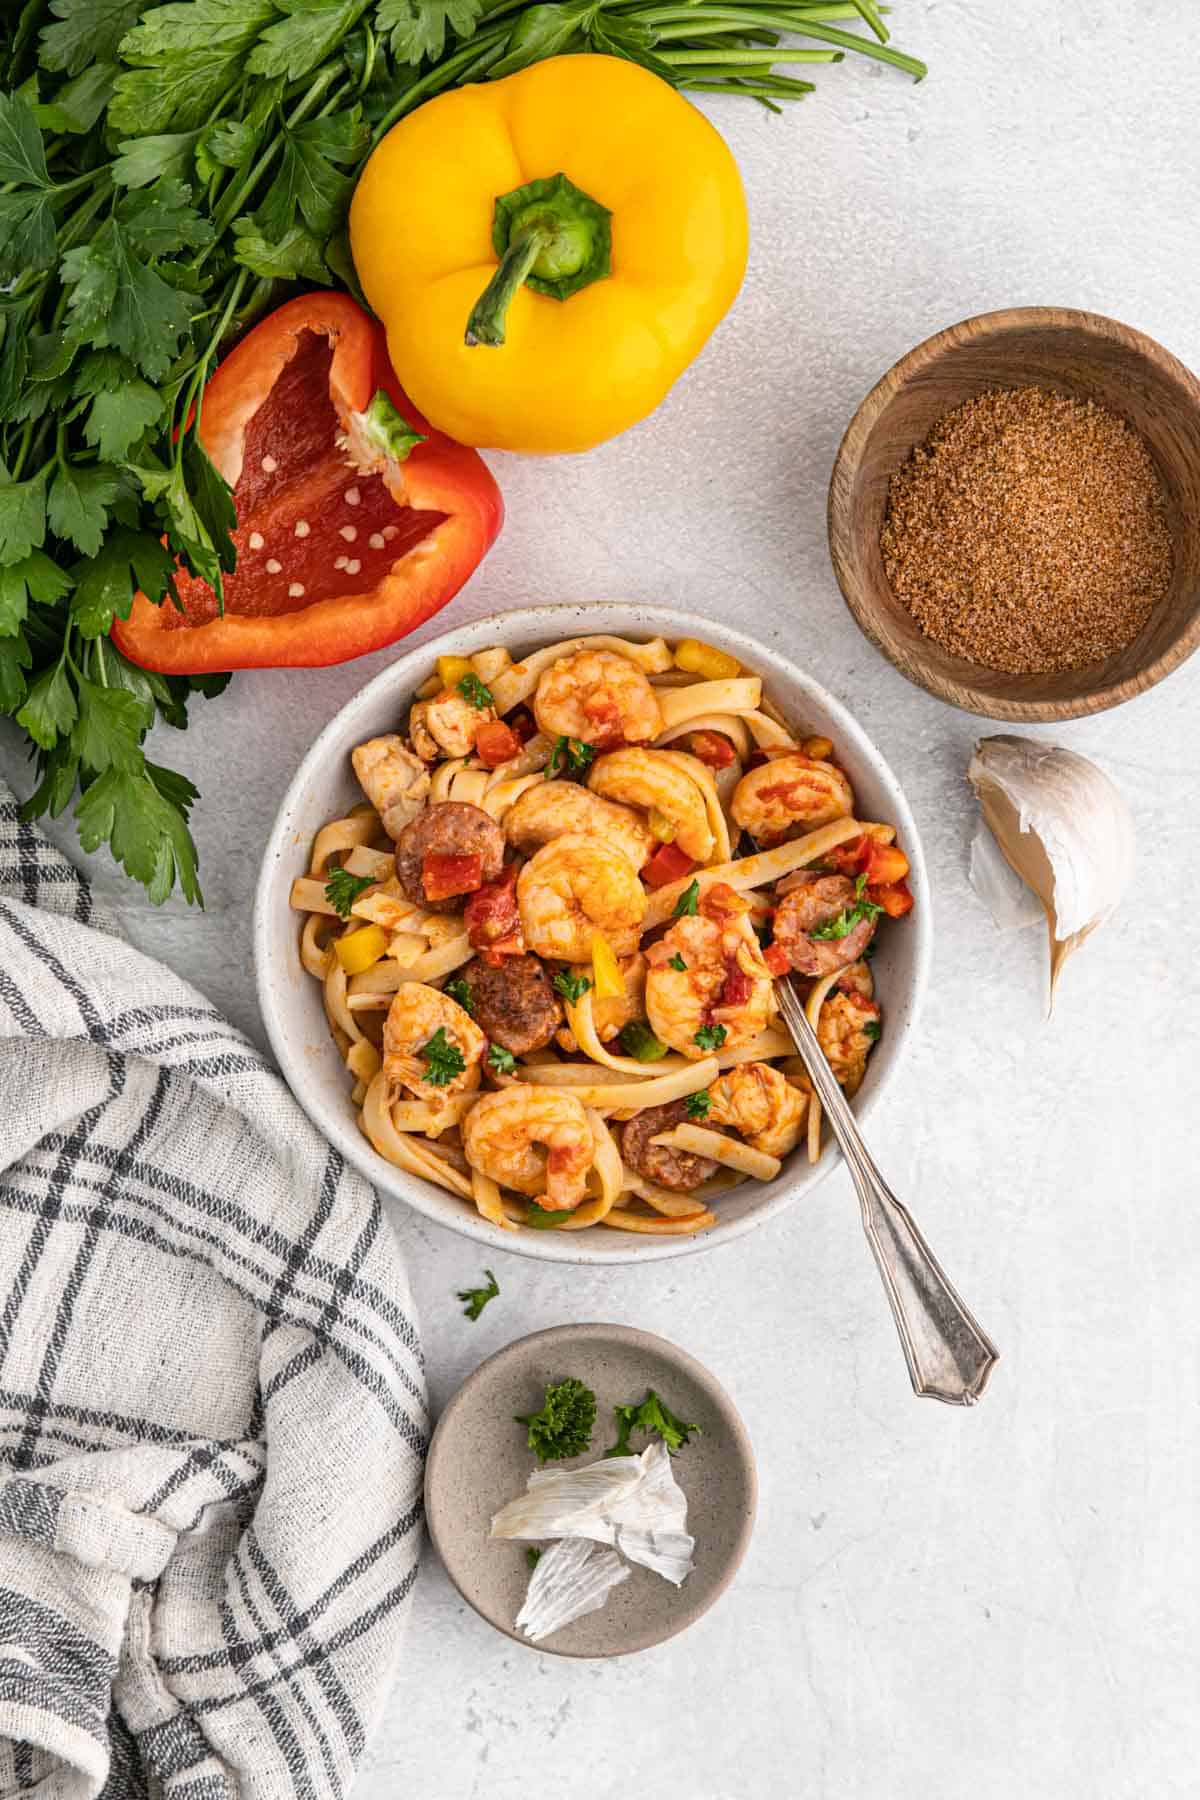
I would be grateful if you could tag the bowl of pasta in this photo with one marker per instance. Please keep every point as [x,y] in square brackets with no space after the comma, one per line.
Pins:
[522,913]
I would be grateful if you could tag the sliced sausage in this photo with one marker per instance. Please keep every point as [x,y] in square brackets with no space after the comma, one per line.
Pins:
[514,1002]
[677,1169]
[449,828]
[816,901]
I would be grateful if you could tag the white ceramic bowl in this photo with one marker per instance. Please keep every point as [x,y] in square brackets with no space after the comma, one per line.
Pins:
[324,788]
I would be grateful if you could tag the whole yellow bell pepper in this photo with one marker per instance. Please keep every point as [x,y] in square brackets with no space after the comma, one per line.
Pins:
[548,252]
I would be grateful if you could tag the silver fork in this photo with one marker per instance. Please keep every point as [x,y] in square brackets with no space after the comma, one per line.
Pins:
[949,1355]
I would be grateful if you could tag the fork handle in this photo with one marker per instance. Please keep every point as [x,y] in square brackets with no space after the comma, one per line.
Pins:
[949,1355]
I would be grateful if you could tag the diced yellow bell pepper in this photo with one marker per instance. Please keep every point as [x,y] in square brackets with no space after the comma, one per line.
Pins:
[818,747]
[608,981]
[660,826]
[361,949]
[706,660]
[451,669]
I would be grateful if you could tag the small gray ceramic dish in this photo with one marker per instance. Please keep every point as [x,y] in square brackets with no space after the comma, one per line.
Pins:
[324,787]
[479,1460]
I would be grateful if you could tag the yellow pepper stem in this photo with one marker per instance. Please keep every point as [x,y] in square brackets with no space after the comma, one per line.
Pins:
[549,235]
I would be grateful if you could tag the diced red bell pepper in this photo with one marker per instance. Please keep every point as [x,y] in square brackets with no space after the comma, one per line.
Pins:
[491,915]
[777,959]
[895,899]
[669,863]
[445,875]
[736,988]
[883,864]
[712,748]
[338,552]
[496,743]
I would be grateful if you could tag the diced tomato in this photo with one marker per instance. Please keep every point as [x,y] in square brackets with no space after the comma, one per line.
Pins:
[777,959]
[443,876]
[895,899]
[737,988]
[491,914]
[669,863]
[712,748]
[846,859]
[720,901]
[883,864]
[496,743]
[494,954]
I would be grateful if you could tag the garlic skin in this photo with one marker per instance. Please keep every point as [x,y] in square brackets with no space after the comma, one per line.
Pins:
[574,1577]
[1062,826]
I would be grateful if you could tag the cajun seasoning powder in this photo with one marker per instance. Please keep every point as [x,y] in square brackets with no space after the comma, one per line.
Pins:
[1029,532]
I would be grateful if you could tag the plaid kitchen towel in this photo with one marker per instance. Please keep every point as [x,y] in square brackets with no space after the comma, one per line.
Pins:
[212,1405]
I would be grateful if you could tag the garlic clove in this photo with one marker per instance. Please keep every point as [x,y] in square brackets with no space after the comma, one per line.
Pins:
[1063,827]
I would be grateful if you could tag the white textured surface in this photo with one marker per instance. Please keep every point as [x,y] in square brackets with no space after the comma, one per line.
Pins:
[993,1604]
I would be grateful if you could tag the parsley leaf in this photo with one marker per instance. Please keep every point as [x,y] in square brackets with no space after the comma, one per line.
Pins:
[88,29]
[688,902]
[443,1059]
[143,826]
[15,658]
[296,256]
[78,503]
[342,889]
[500,1059]
[458,990]
[533,1555]
[119,418]
[27,235]
[846,920]
[572,987]
[22,517]
[22,159]
[105,584]
[50,708]
[542,1218]
[651,1415]
[34,578]
[710,1037]
[474,692]
[477,1298]
[183,60]
[698,1105]
[418,27]
[308,181]
[563,1425]
[872,1030]
[570,754]
[305,36]
[144,159]
[676,962]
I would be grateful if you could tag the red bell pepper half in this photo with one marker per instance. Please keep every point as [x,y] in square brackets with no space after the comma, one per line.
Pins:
[356,519]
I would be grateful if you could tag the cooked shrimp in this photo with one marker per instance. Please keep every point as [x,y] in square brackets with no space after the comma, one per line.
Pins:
[535,1140]
[652,780]
[722,995]
[447,725]
[790,794]
[599,697]
[394,780]
[553,808]
[415,1016]
[573,888]
[761,1105]
[845,1035]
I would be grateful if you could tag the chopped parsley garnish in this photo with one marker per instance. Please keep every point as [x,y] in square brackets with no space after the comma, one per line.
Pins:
[872,1029]
[850,916]
[563,1426]
[342,889]
[443,1059]
[571,755]
[677,962]
[500,1059]
[653,1414]
[698,1104]
[710,1037]
[688,901]
[474,691]
[533,1556]
[571,987]
[458,990]
[477,1298]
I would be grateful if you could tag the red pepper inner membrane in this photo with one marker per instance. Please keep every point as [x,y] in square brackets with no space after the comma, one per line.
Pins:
[330,530]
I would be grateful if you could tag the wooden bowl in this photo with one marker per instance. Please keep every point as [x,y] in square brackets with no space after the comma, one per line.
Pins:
[1075,353]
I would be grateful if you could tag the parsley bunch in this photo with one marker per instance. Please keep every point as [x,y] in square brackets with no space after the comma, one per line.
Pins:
[167,174]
